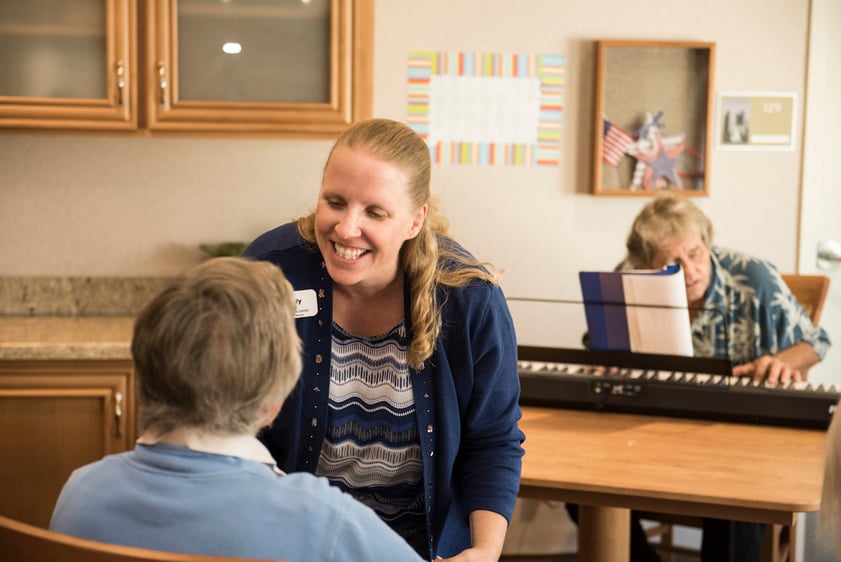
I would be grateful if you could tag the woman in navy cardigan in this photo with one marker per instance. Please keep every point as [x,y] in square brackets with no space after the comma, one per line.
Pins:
[409,393]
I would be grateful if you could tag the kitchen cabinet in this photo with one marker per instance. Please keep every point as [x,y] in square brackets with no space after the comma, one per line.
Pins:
[68,64]
[289,67]
[55,416]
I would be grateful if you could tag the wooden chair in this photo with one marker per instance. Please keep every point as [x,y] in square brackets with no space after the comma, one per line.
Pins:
[21,542]
[778,543]
[811,291]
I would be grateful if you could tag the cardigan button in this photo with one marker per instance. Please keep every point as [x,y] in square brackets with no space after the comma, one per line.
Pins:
[321,293]
[314,422]
[316,389]
[429,428]
[426,395]
[320,322]
[318,359]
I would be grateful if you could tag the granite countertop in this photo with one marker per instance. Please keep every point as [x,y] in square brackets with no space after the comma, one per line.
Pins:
[52,337]
[71,317]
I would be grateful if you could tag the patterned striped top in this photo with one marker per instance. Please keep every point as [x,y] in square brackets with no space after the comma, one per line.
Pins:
[372,449]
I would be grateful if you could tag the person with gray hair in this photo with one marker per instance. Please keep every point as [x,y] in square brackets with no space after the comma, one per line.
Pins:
[216,354]
[741,309]
[740,306]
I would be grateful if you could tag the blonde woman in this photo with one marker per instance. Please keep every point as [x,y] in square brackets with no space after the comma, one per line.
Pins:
[409,393]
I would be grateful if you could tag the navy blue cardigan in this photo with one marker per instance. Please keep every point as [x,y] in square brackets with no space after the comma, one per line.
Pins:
[466,395]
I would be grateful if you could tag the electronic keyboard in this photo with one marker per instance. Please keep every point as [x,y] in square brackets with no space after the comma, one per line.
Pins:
[666,385]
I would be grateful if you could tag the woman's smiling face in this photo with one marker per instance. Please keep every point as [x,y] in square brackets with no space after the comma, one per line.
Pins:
[363,216]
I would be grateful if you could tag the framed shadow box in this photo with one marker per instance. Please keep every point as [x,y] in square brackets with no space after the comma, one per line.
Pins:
[653,117]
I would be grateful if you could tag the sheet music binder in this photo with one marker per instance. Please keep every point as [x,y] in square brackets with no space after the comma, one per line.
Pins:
[642,311]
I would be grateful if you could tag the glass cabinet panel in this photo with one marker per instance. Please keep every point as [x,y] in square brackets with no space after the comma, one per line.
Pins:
[68,64]
[254,50]
[53,48]
[301,67]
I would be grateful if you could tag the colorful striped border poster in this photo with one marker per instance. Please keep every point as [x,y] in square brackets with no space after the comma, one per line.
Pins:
[487,108]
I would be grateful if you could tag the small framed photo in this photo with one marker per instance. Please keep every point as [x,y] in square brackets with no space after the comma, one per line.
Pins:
[756,120]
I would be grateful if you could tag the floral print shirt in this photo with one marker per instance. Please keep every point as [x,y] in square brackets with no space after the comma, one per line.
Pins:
[749,311]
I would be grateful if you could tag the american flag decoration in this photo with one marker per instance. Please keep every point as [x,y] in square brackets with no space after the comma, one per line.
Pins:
[614,143]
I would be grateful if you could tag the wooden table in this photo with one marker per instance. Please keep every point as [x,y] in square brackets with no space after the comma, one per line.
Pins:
[609,463]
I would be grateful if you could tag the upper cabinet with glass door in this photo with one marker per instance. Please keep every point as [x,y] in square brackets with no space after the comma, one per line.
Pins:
[298,67]
[302,66]
[68,64]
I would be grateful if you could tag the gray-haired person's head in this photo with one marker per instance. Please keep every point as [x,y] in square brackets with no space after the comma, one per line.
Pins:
[666,217]
[217,349]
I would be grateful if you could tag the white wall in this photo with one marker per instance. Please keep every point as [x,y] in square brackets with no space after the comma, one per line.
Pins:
[821,191]
[109,205]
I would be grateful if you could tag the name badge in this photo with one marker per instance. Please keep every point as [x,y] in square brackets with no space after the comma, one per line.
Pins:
[305,303]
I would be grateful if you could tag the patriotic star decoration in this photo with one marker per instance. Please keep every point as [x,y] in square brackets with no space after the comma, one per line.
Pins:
[660,163]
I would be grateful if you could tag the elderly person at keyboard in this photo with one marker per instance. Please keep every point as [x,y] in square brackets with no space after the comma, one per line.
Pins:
[739,306]
[740,309]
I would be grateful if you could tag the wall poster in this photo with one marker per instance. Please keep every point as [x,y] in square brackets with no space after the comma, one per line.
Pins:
[487,108]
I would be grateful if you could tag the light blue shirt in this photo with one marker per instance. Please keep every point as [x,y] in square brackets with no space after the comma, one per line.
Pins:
[172,498]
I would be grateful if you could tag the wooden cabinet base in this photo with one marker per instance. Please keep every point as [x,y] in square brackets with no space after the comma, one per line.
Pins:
[56,416]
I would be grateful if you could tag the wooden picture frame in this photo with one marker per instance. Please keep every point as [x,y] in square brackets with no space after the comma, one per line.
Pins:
[653,117]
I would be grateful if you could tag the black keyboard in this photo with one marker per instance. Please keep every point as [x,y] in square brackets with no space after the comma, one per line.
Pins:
[666,385]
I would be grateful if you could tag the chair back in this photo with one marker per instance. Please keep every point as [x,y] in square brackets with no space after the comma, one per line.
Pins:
[810,291]
[21,542]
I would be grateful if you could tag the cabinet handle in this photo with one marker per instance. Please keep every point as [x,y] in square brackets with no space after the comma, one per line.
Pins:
[118,414]
[163,82]
[121,83]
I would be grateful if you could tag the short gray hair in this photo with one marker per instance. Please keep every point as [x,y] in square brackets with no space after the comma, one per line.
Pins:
[215,347]
[665,217]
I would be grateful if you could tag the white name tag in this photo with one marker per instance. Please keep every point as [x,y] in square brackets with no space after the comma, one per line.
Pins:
[305,303]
